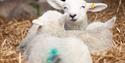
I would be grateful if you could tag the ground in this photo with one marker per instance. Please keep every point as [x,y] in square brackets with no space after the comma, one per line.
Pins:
[13,31]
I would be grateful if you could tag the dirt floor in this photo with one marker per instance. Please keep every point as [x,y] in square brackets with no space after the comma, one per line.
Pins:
[13,31]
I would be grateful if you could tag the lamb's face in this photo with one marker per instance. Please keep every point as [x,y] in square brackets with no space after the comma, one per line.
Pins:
[76,9]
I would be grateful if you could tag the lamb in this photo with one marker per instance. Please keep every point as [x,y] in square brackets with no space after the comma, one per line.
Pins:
[37,49]
[76,10]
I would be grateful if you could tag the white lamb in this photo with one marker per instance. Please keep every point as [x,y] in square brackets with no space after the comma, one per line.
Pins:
[77,12]
[72,49]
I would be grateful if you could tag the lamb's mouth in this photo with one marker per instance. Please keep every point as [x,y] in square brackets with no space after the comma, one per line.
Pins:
[73,20]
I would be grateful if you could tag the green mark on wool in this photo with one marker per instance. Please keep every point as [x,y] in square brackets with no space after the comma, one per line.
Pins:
[52,55]
[54,52]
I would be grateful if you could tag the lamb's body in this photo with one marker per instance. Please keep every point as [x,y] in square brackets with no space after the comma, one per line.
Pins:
[71,50]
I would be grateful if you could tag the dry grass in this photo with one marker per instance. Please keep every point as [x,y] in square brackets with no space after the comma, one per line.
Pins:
[12,32]
[117,53]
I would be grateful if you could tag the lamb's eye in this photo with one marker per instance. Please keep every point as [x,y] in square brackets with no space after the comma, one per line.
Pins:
[83,6]
[63,0]
[65,8]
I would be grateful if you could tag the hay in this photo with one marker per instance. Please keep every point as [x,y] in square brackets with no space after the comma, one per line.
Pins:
[12,32]
[117,53]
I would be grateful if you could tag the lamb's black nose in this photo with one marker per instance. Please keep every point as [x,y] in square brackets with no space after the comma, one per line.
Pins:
[72,15]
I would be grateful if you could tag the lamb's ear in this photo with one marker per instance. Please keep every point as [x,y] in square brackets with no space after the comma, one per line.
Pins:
[110,22]
[95,7]
[57,4]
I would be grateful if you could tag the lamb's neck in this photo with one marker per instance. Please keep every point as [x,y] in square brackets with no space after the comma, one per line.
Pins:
[83,23]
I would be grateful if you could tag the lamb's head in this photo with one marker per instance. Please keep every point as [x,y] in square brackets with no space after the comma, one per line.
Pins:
[51,20]
[76,9]
[100,26]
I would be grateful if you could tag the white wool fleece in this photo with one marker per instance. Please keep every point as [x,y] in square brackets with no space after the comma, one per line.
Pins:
[71,50]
